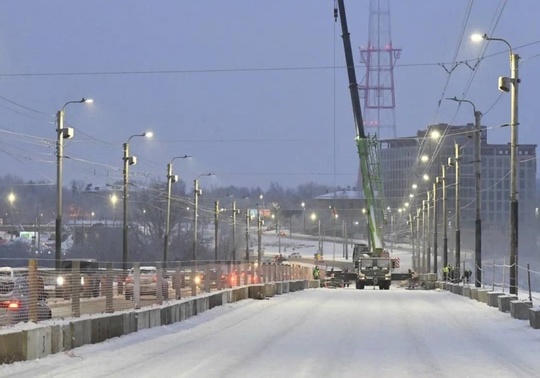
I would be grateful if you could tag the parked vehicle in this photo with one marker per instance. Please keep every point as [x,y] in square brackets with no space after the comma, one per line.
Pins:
[18,307]
[295,255]
[147,283]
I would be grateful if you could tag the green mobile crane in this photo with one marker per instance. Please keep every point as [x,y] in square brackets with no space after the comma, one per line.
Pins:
[372,265]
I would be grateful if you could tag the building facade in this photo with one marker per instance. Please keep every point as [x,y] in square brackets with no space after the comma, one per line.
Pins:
[417,161]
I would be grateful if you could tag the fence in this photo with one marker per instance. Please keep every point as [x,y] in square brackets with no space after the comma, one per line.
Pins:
[84,286]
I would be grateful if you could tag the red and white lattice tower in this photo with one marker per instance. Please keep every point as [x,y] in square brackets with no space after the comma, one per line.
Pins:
[377,87]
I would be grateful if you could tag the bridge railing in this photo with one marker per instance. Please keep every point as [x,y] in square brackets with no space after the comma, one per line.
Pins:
[84,286]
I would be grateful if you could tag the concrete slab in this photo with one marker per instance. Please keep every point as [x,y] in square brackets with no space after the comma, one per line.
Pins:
[143,320]
[256,291]
[466,292]
[154,317]
[166,315]
[482,295]
[129,322]
[202,304]
[38,342]
[57,342]
[105,328]
[12,347]
[493,296]
[269,290]
[474,293]
[520,309]
[279,287]
[81,332]
[215,300]
[504,302]
[285,286]
[534,318]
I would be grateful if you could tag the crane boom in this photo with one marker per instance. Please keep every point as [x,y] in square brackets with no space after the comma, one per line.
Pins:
[364,145]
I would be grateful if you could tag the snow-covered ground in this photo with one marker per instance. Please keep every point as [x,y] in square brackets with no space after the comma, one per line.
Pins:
[316,333]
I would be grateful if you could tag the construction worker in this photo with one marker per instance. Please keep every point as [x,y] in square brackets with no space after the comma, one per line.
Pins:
[316,273]
[445,271]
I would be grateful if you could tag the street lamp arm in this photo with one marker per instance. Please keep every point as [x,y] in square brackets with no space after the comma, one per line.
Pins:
[205,174]
[181,157]
[81,101]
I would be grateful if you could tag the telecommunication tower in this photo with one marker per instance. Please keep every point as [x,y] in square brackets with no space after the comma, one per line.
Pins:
[377,87]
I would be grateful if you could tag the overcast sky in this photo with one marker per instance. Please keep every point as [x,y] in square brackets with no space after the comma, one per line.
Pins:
[246,87]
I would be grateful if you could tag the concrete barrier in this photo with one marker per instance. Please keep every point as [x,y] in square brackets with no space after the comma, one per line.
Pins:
[520,309]
[482,295]
[130,322]
[81,333]
[12,347]
[269,290]
[279,288]
[474,293]
[257,291]
[466,292]
[106,327]
[22,345]
[504,302]
[534,318]
[57,339]
[38,342]
[215,300]
[493,296]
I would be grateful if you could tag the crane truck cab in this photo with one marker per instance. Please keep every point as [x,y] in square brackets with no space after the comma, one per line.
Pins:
[373,271]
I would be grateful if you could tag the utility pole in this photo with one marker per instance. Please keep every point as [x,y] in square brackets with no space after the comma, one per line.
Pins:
[435,213]
[424,213]
[235,211]
[416,263]
[478,220]
[247,235]
[458,210]
[445,216]
[428,233]
[216,229]
[259,237]
[196,193]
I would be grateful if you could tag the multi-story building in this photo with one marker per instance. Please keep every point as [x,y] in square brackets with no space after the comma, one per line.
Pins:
[405,161]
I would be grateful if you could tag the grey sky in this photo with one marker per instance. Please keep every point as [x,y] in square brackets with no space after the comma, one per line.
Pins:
[246,87]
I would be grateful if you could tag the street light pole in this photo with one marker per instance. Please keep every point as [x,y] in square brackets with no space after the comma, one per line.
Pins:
[428,234]
[247,234]
[445,215]
[304,215]
[478,176]
[235,212]
[435,213]
[216,229]
[504,84]
[128,160]
[196,194]
[170,180]
[456,162]
[61,134]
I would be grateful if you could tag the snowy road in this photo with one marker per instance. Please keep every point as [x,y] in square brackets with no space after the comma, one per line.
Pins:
[316,333]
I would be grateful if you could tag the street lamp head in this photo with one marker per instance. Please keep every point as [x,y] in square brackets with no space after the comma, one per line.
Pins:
[435,135]
[477,37]
[87,100]
[426,177]
[148,134]
[424,158]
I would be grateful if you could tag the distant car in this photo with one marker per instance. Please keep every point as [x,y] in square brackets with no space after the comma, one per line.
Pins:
[18,307]
[147,282]
[90,278]
[295,255]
